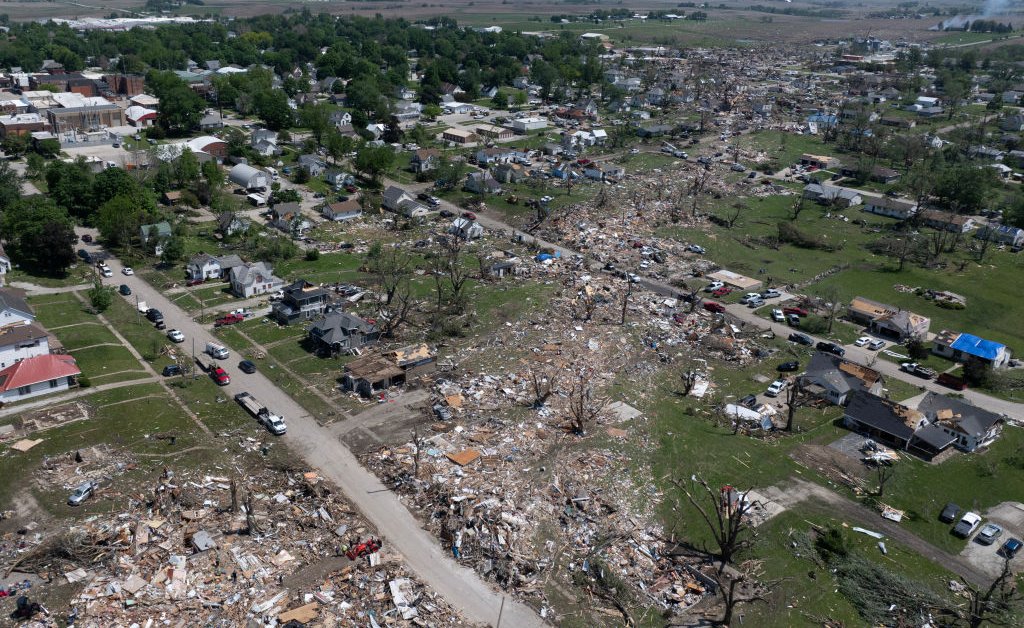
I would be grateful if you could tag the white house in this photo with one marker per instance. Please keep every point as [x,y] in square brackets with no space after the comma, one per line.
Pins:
[22,341]
[13,309]
[204,266]
[39,375]
[345,210]
[892,207]
[466,229]
[5,265]
[1003,234]
[249,280]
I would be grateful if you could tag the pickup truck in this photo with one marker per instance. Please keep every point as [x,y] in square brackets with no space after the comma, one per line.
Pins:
[916,369]
[230,319]
[274,423]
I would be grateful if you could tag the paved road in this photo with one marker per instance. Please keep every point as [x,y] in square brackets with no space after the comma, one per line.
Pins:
[329,455]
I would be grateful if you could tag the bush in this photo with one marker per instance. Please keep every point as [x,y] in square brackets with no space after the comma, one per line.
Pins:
[950,305]
[788,233]
[831,544]
[814,324]
[312,255]
[83,381]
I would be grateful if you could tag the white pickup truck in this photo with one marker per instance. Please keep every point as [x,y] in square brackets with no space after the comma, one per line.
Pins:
[274,423]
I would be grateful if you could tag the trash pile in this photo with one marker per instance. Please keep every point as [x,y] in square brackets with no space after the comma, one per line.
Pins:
[208,550]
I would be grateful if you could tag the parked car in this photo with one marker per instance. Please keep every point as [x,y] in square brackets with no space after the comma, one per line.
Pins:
[220,376]
[696,248]
[748,402]
[775,388]
[830,347]
[446,213]
[750,296]
[714,285]
[755,303]
[228,319]
[721,292]
[1010,548]
[87,238]
[875,345]
[801,339]
[771,293]
[194,282]
[106,272]
[247,366]
[916,369]
[82,493]
[968,524]
[799,311]
[863,341]
[713,306]
[127,270]
[786,367]
[793,321]
[171,369]
[988,534]
[125,290]
[154,315]
[469,215]
[175,335]
[778,316]
[949,513]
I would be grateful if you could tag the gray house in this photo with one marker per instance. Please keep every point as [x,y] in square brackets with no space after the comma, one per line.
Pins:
[833,379]
[204,266]
[230,223]
[301,301]
[249,280]
[312,164]
[971,426]
[340,331]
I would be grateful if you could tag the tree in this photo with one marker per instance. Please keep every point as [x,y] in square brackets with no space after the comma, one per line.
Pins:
[795,399]
[39,235]
[725,513]
[272,107]
[584,405]
[449,173]
[10,186]
[120,219]
[186,168]
[736,210]
[338,145]
[173,249]
[996,604]
[35,166]
[374,161]
[392,131]
[543,381]
[739,587]
[317,118]
[101,297]
[212,173]
[830,302]
[181,108]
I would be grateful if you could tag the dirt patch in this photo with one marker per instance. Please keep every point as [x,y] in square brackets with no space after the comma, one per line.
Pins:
[831,463]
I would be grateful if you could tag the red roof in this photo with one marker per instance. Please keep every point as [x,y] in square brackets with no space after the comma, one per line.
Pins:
[41,368]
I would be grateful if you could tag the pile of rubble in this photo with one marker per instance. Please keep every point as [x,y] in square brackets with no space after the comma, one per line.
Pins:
[205,550]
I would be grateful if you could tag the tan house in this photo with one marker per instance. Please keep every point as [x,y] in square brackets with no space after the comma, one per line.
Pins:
[458,136]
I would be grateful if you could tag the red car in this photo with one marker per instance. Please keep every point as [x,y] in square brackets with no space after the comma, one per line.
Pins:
[194,282]
[230,319]
[712,306]
[351,189]
[366,547]
[469,216]
[721,292]
[220,376]
[799,311]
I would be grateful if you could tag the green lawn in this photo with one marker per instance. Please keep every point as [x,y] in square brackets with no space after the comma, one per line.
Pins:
[77,274]
[786,148]
[106,364]
[60,310]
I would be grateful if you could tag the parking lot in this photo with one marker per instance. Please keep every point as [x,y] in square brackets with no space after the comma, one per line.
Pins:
[1009,516]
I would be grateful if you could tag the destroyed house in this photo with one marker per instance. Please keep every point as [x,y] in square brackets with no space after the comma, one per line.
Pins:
[834,379]
[341,331]
[887,321]
[301,301]
[971,426]
[895,425]
[373,373]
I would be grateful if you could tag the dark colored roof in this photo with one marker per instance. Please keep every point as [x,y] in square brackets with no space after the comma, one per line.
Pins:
[337,326]
[934,436]
[958,415]
[841,374]
[20,333]
[881,414]
[12,299]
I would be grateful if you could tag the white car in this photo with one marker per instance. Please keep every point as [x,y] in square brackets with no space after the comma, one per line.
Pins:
[778,316]
[696,248]
[714,285]
[106,272]
[875,345]
[777,387]
[863,341]
[175,335]
[634,151]
[750,296]
[127,270]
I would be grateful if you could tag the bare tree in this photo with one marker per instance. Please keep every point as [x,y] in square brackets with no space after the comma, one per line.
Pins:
[417,443]
[996,604]
[740,587]
[543,381]
[700,181]
[795,399]
[736,210]
[250,516]
[625,298]
[450,273]
[883,473]
[983,244]
[689,377]
[390,269]
[798,207]
[234,495]
[830,303]
[725,515]
[584,405]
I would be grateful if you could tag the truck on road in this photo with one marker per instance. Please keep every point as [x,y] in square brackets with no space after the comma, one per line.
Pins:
[273,422]
[229,319]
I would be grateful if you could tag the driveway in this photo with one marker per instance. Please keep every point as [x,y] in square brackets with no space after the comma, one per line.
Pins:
[329,455]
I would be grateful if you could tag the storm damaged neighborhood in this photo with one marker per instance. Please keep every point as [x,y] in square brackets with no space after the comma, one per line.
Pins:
[320,315]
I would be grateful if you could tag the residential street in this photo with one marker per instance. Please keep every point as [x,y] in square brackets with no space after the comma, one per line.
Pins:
[329,456]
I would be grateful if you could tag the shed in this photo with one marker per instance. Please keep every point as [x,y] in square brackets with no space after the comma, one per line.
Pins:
[250,178]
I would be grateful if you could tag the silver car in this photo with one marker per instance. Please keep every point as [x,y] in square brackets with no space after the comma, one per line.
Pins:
[82,493]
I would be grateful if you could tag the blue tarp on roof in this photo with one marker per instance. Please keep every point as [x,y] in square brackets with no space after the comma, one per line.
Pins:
[978,347]
[822,118]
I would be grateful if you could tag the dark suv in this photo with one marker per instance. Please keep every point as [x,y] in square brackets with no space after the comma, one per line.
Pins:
[154,315]
[830,347]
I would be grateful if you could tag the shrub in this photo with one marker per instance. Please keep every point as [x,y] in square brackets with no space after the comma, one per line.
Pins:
[790,234]
[814,324]
[312,255]
[83,381]
[831,544]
